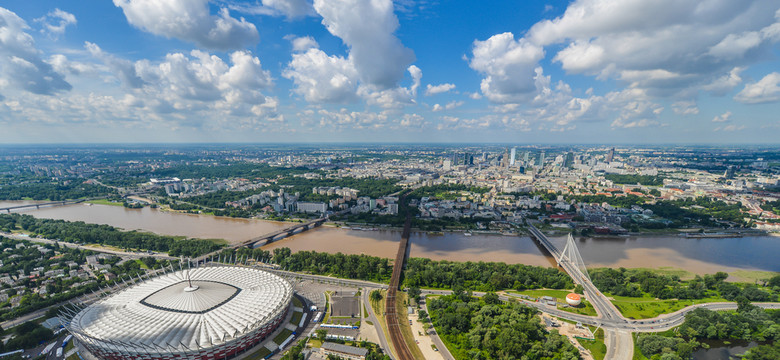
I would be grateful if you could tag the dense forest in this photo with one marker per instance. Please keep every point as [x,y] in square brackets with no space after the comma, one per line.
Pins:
[478,329]
[54,191]
[83,233]
[638,282]
[747,323]
[477,276]
[647,180]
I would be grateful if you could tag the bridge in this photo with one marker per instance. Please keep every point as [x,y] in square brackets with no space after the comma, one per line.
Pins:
[46,204]
[269,237]
[620,344]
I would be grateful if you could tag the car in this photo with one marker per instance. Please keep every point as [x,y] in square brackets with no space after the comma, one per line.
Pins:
[410,322]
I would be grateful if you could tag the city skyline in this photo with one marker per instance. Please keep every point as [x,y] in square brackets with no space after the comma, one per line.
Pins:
[287,71]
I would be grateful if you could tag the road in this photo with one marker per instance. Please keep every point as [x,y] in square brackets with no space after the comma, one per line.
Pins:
[135,255]
[377,325]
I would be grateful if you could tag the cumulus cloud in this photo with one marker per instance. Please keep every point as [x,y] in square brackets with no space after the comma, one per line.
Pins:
[20,61]
[438,89]
[55,22]
[195,86]
[639,42]
[319,77]
[375,63]
[367,28]
[449,106]
[764,91]
[508,66]
[304,43]
[722,117]
[190,20]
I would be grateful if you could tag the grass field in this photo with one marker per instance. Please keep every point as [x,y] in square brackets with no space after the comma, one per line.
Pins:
[596,347]
[297,302]
[259,354]
[105,202]
[647,307]
[296,318]
[406,329]
[282,336]
[584,309]
[752,276]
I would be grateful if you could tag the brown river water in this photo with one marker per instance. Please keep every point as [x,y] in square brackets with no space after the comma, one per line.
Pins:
[695,255]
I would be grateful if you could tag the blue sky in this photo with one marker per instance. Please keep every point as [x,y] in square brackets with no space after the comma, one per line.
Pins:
[589,71]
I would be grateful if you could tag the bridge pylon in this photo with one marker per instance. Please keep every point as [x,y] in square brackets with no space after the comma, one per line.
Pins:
[572,254]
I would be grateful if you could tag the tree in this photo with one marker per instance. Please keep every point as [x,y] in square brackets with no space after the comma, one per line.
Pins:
[414,293]
[321,334]
[375,295]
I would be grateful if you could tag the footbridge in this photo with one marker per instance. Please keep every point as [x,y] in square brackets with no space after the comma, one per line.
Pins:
[40,205]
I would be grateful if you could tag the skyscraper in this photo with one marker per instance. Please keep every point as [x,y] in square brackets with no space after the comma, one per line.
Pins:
[525,158]
[611,155]
[568,161]
[541,159]
[512,157]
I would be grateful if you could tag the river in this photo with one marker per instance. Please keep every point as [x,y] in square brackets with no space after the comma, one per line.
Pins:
[698,256]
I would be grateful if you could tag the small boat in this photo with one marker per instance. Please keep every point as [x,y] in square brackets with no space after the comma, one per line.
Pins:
[466,234]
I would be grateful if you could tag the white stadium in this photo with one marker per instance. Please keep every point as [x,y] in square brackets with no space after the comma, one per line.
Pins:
[211,312]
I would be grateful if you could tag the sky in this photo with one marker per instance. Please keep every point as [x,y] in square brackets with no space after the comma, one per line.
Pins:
[303,71]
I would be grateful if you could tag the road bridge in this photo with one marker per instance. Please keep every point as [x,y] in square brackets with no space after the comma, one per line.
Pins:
[620,344]
[46,204]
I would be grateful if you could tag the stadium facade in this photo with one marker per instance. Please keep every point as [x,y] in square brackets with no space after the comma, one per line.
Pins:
[209,312]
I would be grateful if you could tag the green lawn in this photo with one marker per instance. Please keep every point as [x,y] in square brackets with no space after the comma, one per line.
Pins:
[647,307]
[259,354]
[105,202]
[297,302]
[584,309]
[296,318]
[282,336]
[596,347]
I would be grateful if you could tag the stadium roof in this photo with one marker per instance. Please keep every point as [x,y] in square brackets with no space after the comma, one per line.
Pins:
[174,313]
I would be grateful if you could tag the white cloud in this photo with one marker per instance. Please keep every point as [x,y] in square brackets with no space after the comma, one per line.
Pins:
[55,22]
[190,20]
[437,107]
[367,27]
[722,117]
[723,84]
[438,89]
[396,97]
[639,42]
[374,66]
[508,66]
[764,91]
[21,65]
[322,78]
[304,43]
[685,108]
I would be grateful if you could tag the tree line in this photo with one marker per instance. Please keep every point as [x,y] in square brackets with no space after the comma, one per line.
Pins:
[425,273]
[54,191]
[638,282]
[84,233]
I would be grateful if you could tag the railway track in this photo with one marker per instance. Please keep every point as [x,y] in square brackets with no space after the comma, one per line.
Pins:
[391,316]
